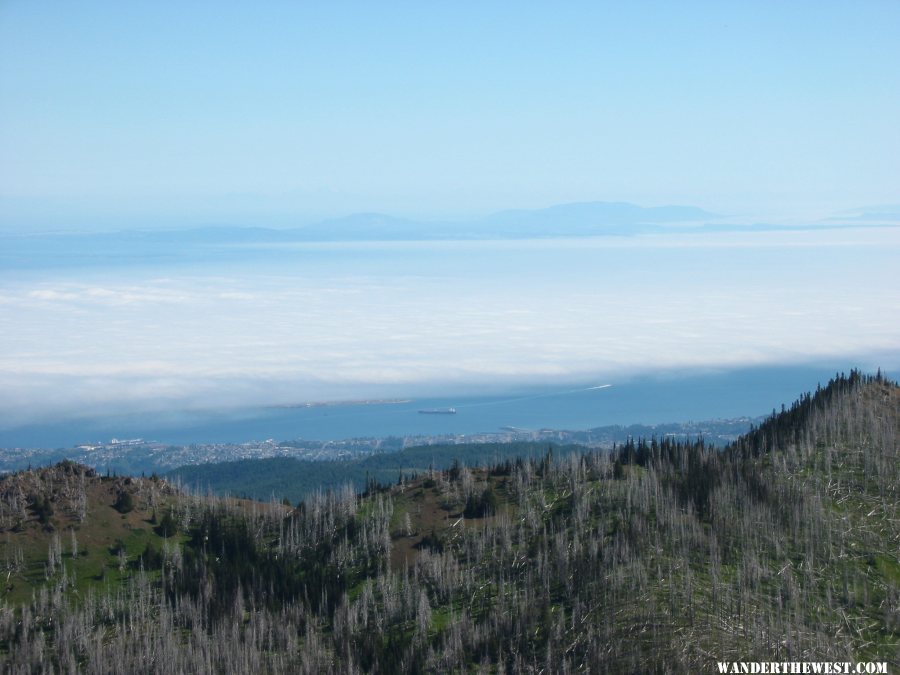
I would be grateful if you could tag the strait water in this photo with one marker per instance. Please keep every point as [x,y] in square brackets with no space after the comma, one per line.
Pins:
[674,397]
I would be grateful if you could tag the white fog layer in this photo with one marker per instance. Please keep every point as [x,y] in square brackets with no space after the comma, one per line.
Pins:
[327,321]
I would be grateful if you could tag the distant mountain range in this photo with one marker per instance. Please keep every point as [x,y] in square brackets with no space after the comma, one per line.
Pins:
[578,219]
[563,220]
[575,219]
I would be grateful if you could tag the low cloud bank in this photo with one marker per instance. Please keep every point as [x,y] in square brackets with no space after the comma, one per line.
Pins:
[395,320]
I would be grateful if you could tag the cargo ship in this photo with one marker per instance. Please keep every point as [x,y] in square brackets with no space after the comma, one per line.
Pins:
[438,411]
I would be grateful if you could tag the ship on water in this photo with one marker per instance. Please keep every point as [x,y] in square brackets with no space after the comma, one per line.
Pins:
[438,411]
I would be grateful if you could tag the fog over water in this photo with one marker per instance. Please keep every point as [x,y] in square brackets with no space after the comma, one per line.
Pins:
[254,325]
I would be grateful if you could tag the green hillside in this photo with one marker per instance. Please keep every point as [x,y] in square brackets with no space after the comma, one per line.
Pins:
[294,479]
[664,557]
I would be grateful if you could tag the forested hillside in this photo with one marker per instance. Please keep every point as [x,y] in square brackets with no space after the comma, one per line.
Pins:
[663,556]
[294,479]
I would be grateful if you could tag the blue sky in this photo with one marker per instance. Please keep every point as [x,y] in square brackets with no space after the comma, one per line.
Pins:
[141,113]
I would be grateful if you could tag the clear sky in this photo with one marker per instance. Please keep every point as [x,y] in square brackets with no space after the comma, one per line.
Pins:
[134,113]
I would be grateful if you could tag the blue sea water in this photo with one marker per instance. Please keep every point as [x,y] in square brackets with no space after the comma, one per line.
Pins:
[651,399]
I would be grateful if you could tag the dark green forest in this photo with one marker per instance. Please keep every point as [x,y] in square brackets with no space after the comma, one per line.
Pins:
[661,556]
[295,480]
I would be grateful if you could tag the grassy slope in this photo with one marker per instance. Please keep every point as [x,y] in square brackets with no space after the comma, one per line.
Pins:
[97,535]
[90,562]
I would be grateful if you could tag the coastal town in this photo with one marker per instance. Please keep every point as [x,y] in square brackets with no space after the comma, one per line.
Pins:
[138,455]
